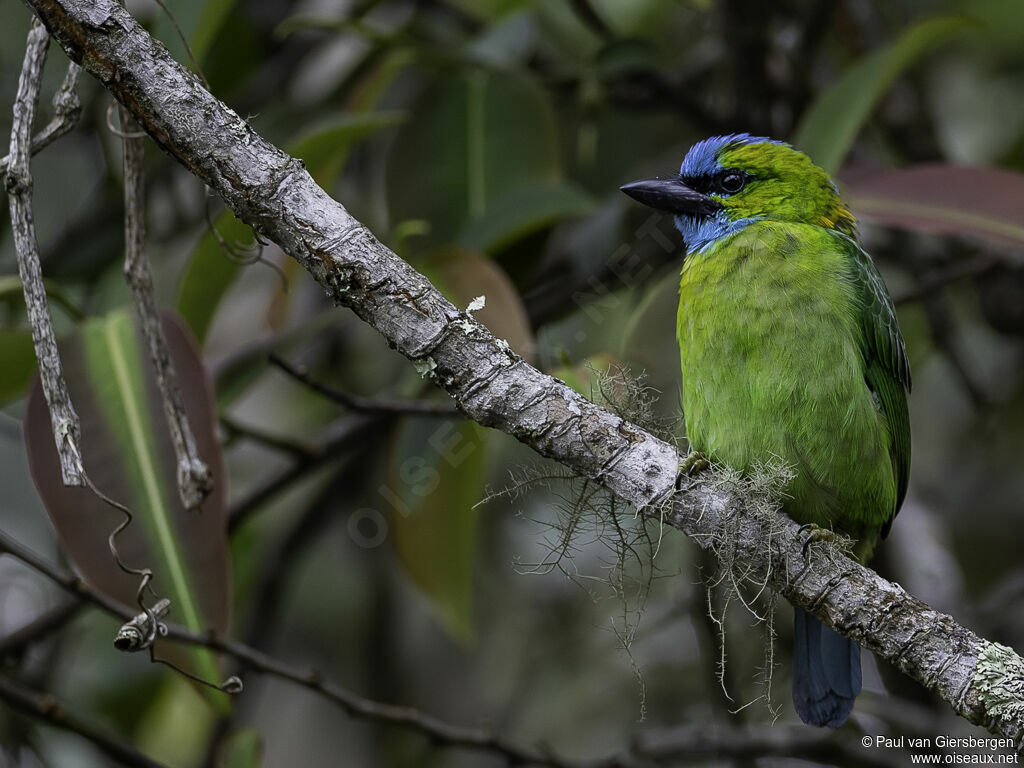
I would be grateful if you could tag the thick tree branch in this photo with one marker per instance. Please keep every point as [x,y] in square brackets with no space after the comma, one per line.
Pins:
[982,681]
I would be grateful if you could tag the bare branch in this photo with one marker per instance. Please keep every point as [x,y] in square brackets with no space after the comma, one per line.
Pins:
[367,404]
[194,478]
[934,281]
[982,681]
[344,435]
[435,729]
[46,707]
[44,625]
[64,420]
[295,448]
[66,111]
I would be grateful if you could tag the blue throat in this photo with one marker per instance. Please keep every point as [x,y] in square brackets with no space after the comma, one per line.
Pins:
[701,232]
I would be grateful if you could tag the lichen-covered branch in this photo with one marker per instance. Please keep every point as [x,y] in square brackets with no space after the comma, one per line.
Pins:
[194,478]
[494,386]
[66,429]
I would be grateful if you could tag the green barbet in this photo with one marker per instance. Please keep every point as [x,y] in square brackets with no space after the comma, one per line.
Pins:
[790,350]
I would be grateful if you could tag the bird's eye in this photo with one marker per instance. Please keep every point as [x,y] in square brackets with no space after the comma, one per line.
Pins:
[731,182]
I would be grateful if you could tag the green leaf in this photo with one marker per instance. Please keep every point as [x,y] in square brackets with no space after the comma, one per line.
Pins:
[325,148]
[128,455]
[19,358]
[523,211]
[215,13]
[972,202]
[436,477]
[829,126]
[242,749]
[210,273]
[476,137]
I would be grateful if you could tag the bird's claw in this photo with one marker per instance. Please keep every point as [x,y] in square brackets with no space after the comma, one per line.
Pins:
[694,463]
[816,534]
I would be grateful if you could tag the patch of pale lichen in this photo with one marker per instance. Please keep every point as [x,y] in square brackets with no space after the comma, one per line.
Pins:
[999,680]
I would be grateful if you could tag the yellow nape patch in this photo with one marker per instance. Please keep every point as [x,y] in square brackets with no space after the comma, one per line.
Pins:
[839,219]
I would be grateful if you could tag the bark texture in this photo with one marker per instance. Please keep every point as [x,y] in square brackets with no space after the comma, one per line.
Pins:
[18,180]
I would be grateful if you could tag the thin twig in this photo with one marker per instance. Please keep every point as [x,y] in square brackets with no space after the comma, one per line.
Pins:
[591,18]
[67,109]
[195,480]
[345,434]
[39,628]
[929,283]
[64,420]
[438,731]
[48,708]
[367,404]
[235,428]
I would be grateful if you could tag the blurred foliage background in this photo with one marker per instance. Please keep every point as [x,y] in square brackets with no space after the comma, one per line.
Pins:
[484,141]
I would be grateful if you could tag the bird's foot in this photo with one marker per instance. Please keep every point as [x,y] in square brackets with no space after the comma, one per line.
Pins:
[694,463]
[814,533]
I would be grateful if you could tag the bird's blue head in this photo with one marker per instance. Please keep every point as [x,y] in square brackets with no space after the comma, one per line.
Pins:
[727,182]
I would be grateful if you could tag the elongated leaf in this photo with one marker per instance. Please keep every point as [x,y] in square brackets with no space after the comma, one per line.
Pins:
[830,125]
[210,273]
[523,211]
[325,148]
[436,477]
[242,749]
[19,362]
[212,18]
[975,202]
[476,137]
[128,455]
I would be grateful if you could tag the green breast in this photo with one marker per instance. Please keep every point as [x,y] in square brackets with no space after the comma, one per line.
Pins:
[768,339]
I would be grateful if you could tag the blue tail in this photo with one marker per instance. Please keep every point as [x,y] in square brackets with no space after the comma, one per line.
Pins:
[826,672]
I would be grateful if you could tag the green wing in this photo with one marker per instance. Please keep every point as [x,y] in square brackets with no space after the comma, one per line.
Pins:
[887,370]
